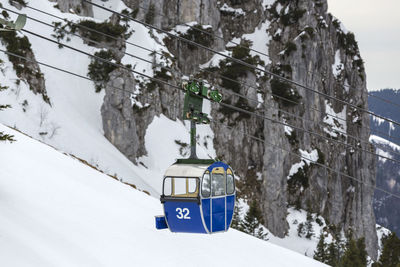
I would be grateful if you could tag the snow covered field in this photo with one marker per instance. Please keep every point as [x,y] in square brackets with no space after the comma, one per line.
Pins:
[56,211]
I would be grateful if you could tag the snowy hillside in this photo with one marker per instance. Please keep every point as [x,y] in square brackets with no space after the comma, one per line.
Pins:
[57,211]
[73,121]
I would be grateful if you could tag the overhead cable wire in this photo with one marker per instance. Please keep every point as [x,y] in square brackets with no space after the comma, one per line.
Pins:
[86,28]
[248,135]
[57,68]
[221,103]
[240,61]
[194,28]
[251,49]
[309,160]
[229,92]
[206,70]
[167,68]
[209,33]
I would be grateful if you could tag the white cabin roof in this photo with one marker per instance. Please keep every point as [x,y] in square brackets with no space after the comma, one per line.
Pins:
[186,170]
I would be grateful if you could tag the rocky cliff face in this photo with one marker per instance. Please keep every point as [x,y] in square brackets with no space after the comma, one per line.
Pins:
[75,6]
[324,57]
[305,44]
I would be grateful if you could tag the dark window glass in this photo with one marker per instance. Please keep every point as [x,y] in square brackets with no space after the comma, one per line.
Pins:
[205,186]
[218,184]
[230,184]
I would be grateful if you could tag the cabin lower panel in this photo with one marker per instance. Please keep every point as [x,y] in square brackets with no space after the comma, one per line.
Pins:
[218,214]
[183,217]
[205,204]
[230,206]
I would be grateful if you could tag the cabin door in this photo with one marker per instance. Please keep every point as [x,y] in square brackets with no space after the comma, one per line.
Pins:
[218,200]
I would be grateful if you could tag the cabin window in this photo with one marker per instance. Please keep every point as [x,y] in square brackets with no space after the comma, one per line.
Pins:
[230,182]
[181,187]
[218,184]
[167,190]
[206,185]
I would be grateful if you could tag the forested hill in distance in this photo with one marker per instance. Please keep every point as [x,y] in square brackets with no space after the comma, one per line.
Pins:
[386,138]
[388,110]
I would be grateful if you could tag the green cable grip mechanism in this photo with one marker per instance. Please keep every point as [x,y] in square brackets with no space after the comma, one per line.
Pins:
[193,108]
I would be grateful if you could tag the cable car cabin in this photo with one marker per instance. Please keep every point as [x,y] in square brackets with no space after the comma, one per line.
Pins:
[197,198]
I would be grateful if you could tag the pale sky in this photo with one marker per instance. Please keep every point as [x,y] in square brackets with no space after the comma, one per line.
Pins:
[376,25]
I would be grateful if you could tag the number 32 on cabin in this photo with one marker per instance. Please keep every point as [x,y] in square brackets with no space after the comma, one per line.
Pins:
[183,213]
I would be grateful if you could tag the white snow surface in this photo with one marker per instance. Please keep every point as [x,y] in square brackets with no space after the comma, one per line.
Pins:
[260,39]
[294,241]
[378,120]
[267,3]
[288,130]
[391,127]
[295,168]
[382,141]
[279,8]
[307,158]
[102,14]
[56,211]
[336,121]
[337,66]
[216,59]
[381,231]
[259,42]
[236,11]
[383,153]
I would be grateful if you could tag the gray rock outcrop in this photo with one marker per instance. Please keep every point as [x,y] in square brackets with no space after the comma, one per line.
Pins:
[75,6]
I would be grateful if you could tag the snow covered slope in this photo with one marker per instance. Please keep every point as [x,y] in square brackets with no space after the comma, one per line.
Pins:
[56,211]
[73,123]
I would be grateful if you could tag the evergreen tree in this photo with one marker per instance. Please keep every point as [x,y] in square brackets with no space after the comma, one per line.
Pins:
[3,136]
[252,223]
[390,256]
[300,229]
[321,253]
[355,254]
[236,220]
[335,248]
[261,234]
[362,252]
[308,225]
[149,18]
[332,255]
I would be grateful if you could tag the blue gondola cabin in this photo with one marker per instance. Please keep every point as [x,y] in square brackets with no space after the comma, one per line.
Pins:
[197,198]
